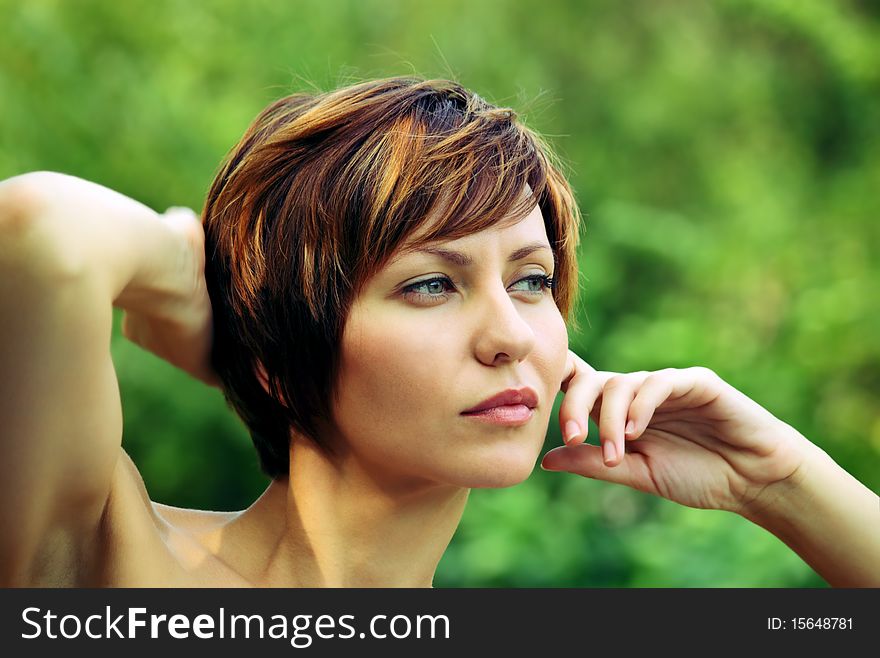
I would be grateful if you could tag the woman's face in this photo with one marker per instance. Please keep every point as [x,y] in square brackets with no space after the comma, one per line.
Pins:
[429,338]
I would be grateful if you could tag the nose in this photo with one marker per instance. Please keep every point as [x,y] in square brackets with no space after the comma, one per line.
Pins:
[503,334]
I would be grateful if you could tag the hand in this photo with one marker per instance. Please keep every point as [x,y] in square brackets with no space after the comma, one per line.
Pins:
[683,434]
[181,334]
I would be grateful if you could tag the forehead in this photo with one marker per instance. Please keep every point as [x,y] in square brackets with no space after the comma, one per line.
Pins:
[509,232]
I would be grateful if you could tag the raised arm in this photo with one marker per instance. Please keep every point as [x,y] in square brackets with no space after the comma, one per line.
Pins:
[69,250]
[689,436]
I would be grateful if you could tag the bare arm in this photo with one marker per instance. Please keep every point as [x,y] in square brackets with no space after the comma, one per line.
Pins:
[69,250]
[827,517]
[689,436]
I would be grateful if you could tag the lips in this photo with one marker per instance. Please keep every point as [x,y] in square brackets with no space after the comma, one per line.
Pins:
[512,396]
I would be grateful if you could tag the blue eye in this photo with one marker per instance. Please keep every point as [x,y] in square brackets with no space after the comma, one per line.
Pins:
[542,281]
[438,287]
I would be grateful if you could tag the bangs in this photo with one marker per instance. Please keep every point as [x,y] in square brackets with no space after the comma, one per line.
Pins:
[450,166]
[320,193]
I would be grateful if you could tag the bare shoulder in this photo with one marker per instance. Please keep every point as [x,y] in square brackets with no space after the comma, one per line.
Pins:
[139,543]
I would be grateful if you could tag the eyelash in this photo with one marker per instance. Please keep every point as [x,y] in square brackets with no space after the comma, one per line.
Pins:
[546,281]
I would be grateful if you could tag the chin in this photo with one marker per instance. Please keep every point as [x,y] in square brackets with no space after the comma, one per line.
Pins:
[500,482]
[499,473]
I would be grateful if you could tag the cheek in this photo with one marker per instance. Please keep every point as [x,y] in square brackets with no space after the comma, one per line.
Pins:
[391,372]
[551,352]
[398,377]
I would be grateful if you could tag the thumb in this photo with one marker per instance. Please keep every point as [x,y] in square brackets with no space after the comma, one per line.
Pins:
[586,460]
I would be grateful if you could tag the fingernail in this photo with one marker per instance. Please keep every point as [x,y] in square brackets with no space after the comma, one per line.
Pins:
[548,459]
[630,427]
[609,451]
[572,429]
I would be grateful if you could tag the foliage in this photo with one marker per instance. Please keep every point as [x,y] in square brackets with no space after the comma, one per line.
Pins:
[724,156]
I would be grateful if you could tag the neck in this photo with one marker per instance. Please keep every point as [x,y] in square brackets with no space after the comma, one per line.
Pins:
[339,523]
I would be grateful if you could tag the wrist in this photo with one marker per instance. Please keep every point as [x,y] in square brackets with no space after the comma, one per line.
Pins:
[827,517]
[156,287]
[780,502]
[164,279]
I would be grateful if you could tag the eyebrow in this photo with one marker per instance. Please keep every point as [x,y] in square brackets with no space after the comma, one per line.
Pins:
[463,260]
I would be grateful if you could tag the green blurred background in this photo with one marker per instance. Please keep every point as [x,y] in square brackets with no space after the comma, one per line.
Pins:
[725,155]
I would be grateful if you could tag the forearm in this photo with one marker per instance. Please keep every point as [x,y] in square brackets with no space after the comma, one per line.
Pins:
[87,228]
[828,518]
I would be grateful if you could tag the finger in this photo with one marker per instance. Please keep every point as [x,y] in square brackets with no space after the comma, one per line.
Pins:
[654,391]
[691,387]
[582,386]
[181,210]
[182,219]
[179,215]
[587,460]
[596,409]
[617,395]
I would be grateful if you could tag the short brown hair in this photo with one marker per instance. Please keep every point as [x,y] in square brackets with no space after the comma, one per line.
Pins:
[314,200]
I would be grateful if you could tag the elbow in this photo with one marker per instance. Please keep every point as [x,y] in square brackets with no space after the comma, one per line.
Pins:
[22,199]
[30,239]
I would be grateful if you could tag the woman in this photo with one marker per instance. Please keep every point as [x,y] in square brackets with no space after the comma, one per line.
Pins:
[379,286]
